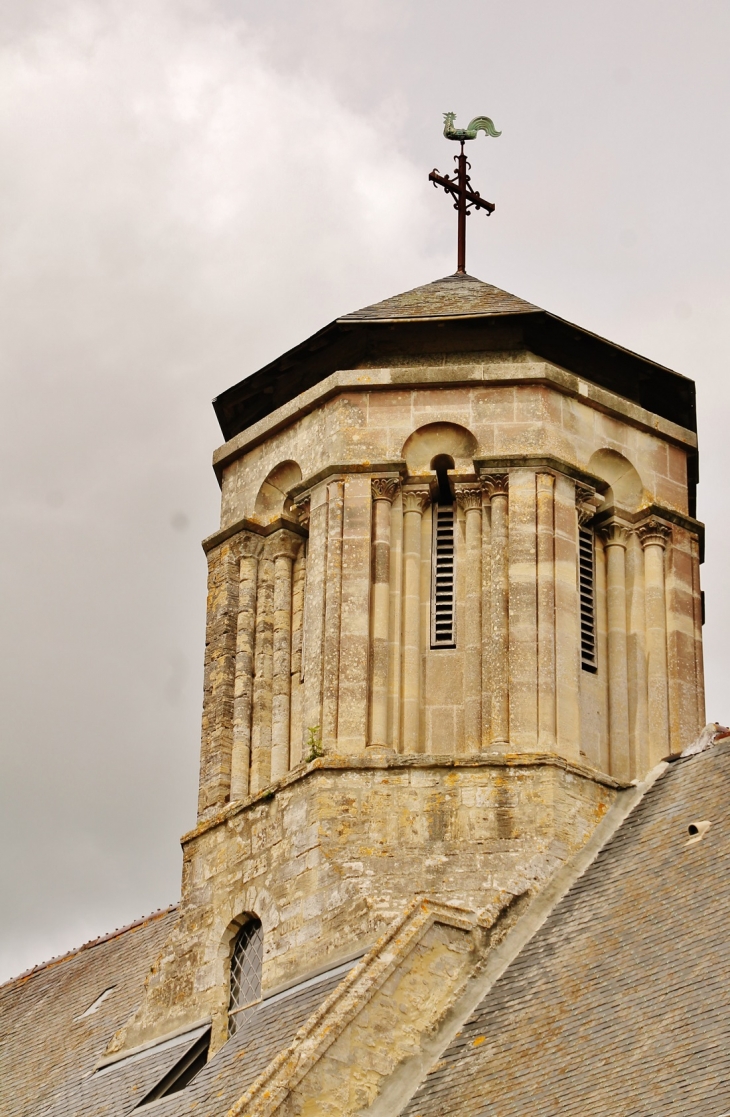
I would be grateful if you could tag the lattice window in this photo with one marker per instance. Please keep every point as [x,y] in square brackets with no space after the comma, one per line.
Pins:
[246,962]
[587,592]
[443,570]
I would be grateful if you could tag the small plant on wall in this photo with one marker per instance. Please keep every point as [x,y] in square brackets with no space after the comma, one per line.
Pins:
[314,743]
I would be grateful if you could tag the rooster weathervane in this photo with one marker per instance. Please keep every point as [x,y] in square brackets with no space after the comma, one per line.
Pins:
[459,187]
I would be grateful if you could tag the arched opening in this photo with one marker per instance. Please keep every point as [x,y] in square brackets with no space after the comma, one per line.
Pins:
[441,464]
[246,964]
[272,500]
[436,440]
[626,489]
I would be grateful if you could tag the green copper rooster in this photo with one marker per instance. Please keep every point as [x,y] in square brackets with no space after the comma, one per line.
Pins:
[478,124]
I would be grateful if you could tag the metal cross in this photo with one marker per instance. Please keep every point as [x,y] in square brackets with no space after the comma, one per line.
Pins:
[459,187]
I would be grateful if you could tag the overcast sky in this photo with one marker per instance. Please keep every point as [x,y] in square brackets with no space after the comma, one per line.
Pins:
[189,187]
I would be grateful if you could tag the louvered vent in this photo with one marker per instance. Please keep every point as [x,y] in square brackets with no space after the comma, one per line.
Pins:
[443,616]
[586,579]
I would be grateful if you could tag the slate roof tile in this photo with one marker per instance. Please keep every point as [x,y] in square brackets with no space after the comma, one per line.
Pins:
[619,1004]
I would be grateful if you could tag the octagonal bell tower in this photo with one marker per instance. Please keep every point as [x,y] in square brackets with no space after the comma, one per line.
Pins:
[453,606]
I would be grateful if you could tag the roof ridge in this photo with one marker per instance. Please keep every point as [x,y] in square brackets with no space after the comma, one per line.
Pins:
[56,960]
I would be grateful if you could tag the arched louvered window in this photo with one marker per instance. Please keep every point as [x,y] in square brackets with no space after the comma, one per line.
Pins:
[246,962]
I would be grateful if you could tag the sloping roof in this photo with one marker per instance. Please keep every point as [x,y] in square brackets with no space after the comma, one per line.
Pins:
[619,1005]
[44,1048]
[455,296]
[49,1057]
[454,315]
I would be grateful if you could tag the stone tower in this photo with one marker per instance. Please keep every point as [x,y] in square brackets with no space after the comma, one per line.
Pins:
[453,606]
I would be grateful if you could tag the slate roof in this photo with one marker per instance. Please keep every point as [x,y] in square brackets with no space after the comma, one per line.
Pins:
[48,1059]
[453,315]
[44,1049]
[619,1006]
[455,296]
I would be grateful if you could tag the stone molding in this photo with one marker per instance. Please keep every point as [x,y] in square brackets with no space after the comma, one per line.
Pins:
[389,760]
[385,488]
[245,524]
[468,375]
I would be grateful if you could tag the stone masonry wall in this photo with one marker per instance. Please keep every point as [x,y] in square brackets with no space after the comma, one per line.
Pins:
[341,849]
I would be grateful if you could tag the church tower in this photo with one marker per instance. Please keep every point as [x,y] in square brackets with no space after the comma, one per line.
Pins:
[453,608]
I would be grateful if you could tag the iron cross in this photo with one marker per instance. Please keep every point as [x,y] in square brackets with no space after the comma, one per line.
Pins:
[459,187]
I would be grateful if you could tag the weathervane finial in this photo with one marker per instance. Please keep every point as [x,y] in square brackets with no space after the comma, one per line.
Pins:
[459,186]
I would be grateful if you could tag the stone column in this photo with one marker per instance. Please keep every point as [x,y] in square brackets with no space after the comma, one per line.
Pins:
[546,736]
[220,667]
[615,537]
[299,575]
[384,491]
[470,499]
[697,628]
[496,487]
[567,677]
[332,614]
[414,502]
[522,547]
[284,548]
[639,737]
[250,550]
[314,605]
[486,648]
[654,535]
[263,672]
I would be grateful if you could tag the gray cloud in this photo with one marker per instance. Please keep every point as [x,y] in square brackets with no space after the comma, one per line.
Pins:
[188,188]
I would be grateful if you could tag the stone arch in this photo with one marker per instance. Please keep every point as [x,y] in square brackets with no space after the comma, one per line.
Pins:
[272,500]
[440,440]
[625,485]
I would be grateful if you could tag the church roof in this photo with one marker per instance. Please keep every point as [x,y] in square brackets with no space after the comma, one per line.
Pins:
[454,315]
[455,296]
[48,1041]
[619,1004]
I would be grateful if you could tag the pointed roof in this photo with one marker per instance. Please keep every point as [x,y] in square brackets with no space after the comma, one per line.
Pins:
[454,296]
[456,314]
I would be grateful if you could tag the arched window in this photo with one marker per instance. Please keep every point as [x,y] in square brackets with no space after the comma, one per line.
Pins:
[246,962]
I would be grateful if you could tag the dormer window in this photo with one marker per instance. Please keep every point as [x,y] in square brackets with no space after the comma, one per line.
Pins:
[246,962]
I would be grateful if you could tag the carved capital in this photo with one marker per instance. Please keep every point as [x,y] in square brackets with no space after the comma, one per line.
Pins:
[301,508]
[250,545]
[385,488]
[653,532]
[469,498]
[545,482]
[496,484]
[585,503]
[614,534]
[283,544]
[415,500]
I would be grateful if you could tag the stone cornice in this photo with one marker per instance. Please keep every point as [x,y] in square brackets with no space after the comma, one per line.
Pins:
[469,375]
[633,519]
[218,537]
[540,463]
[386,761]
